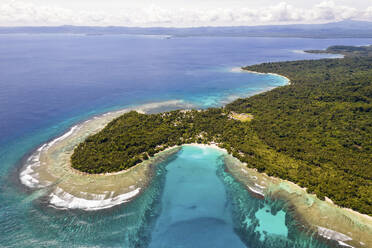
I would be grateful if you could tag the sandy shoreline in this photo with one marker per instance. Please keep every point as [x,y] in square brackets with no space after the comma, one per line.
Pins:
[240,69]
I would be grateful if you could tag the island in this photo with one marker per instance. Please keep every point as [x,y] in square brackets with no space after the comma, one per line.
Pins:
[315,132]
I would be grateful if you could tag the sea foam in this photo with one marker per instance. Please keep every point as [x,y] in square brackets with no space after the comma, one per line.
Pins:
[64,200]
[330,234]
[28,176]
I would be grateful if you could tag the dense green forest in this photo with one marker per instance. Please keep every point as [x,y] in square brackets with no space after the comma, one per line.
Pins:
[316,132]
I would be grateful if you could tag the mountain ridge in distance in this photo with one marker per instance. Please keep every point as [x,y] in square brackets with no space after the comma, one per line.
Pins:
[341,29]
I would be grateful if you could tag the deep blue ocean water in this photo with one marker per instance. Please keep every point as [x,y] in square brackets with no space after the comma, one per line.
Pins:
[50,82]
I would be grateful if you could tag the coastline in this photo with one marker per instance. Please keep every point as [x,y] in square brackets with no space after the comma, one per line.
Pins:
[347,227]
[240,69]
[331,222]
[49,167]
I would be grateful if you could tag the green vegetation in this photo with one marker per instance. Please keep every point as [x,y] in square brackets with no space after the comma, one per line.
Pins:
[348,51]
[323,120]
[316,132]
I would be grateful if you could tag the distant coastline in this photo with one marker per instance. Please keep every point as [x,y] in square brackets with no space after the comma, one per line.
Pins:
[342,29]
[347,51]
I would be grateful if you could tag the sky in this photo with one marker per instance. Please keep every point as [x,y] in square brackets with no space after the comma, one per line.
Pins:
[179,13]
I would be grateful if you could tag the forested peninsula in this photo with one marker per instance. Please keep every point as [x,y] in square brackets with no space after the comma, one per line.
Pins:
[315,132]
[348,51]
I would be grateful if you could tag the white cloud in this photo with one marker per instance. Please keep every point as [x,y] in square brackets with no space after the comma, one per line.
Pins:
[328,10]
[16,12]
[368,14]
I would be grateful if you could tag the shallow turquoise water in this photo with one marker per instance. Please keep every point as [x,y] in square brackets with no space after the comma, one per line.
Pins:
[271,224]
[195,210]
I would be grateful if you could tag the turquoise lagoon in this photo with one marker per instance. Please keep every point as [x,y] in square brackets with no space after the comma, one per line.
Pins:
[195,209]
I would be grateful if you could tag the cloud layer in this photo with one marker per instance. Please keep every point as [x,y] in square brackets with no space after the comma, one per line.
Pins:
[14,12]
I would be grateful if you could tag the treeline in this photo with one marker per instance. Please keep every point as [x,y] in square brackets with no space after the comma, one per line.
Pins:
[316,132]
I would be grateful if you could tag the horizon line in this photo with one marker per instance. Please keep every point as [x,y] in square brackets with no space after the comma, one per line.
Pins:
[183,27]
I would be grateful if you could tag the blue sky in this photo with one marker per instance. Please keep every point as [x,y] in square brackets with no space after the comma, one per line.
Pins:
[179,13]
